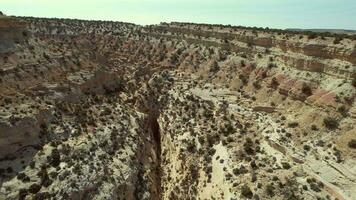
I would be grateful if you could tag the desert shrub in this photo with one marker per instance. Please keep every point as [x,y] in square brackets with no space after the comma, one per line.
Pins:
[54,158]
[274,82]
[174,59]
[34,188]
[271,65]
[257,85]
[242,63]
[191,147]
[354,82]
[246,192]
[215,67]
[342,110]
[293,124]
[254,177]
[46,56]
[315,187]
[337,40]
[248,146]
[241,170]
[243,79]
[45,180]
[24,33]
[314,127]
[306,89]
[211,151]
[331,123]
[23,177]
[352,144]
[286,165]
[9,170]
[306,147]
[270,190]
[23,193]
[312,36]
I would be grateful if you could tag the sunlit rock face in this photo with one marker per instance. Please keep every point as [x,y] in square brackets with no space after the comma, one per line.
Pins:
[111,110]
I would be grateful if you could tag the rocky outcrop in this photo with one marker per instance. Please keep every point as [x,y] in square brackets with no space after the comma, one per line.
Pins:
[17,132]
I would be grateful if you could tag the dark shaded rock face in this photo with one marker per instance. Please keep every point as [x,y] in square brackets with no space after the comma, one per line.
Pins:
[6,46]
[11,32]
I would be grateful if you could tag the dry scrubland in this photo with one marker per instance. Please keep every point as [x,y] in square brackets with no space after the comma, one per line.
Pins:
[110,110]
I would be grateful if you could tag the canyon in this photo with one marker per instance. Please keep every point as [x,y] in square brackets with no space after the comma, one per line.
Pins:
[114,110]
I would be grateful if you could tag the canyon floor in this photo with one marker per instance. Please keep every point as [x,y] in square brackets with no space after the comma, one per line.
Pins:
[113,110]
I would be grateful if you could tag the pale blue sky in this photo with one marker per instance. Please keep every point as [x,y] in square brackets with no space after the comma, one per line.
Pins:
[272,13]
